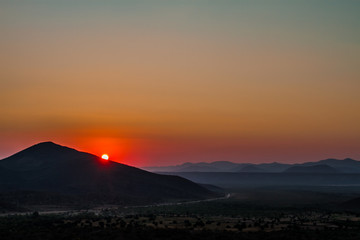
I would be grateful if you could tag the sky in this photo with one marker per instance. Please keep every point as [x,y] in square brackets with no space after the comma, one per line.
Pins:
[155,83]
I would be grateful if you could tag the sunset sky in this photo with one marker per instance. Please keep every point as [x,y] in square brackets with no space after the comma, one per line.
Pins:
[166,82]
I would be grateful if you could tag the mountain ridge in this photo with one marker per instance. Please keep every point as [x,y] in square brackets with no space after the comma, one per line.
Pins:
[346,165]
[319,168]
[49,167]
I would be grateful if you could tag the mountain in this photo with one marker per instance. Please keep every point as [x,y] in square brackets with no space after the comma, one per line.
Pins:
[239,180]
[274,167]
[50,168]
[223,166]
[321,168]
[347,165]
[218,166]
[251,168]
[196,168]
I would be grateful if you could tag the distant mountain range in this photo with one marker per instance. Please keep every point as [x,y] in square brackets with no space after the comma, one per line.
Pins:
[321,168]
[52,170]
[347,165]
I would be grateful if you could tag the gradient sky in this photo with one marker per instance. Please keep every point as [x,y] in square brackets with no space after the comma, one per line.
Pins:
[165,82]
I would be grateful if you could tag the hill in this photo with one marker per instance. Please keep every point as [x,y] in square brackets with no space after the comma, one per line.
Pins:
[53,170]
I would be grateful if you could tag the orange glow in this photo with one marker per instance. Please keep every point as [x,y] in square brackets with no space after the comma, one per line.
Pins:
[125,85]
[105,157]
[121,150]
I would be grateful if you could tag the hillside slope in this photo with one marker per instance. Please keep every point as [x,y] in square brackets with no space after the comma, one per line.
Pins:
[48,167]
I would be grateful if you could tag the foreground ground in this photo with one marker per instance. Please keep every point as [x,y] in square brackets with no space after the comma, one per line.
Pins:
[248,214]
[308,226]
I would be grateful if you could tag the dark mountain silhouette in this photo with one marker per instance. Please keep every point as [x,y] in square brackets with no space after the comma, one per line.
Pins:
[274,167]
[218,166]
[213,188]
[259,179]
[223,166]
[321,168]
[347,165]
[251,168]
[196,168]
[48,167]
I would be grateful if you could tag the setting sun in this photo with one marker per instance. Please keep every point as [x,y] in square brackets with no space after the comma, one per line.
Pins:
[105,157]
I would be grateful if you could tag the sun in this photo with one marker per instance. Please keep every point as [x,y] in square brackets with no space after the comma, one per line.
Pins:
[105,157]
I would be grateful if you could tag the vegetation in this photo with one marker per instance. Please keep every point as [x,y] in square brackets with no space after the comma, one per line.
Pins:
[150,226]
[262,213]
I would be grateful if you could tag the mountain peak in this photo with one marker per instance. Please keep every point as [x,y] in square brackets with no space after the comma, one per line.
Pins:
[46,144]
[47,148]
[44,154]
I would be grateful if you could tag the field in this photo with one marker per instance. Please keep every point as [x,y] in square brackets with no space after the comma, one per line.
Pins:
[249,213]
